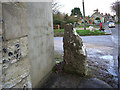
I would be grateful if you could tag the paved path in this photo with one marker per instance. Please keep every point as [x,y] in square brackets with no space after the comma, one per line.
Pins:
[115,32]
[102,62]
[102,53]
[64,80]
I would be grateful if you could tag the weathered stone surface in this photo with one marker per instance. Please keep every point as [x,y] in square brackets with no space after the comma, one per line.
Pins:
[74,52]
[24,46]
[11,52]
[24,83]
[15,63]
[40,39]
[15,22]
[0,18]
[0,52]
[0,46]
[14,51]
[15,74]
[14,47]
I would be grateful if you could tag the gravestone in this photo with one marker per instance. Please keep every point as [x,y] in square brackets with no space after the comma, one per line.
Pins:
[74,52]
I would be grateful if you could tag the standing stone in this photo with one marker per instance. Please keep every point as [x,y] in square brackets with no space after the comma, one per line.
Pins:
[74,52]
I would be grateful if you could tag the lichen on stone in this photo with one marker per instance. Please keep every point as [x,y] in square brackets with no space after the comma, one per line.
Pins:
[74,52]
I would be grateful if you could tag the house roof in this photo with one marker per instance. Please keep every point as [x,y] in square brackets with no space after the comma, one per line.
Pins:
[97,14]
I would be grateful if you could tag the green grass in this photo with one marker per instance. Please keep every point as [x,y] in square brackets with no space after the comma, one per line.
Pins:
[117,23]
[58,57]
[88,26]
[88,32]
[60,32]
[58,61]
[82,27]
[103,27]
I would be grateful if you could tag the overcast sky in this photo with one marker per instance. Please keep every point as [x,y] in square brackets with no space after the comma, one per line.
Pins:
[90,5]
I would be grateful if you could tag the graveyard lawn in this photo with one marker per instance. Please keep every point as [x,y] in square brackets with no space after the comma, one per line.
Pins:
[87,27]
[60,32]
[82,27]
[88,32]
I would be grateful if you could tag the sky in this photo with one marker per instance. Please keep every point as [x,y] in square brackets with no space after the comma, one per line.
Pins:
[90,5]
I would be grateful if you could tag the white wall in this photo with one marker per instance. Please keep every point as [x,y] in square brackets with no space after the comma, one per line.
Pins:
[41,45]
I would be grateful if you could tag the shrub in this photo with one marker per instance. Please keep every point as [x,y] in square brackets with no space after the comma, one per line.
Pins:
[57,21]
[69,21]
[97,18]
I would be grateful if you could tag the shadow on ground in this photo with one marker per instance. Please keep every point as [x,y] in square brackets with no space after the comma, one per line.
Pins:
[64,80]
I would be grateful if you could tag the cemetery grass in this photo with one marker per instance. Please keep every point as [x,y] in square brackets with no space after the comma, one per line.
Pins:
[117,23]
[94,26]
[82,27]
[58,57]
[60,32]
[88,32]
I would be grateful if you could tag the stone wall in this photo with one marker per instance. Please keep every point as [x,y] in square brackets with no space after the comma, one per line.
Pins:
[15,68]
[27,44]
[0,46]
[41,44]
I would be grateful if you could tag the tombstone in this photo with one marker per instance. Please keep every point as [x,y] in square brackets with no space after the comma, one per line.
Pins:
[74,52]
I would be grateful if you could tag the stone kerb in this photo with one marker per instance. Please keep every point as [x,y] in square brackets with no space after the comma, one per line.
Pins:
[74,52]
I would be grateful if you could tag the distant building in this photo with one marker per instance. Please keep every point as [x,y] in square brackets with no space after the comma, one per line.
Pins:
[115,18]
[103,18]
[107,17]
[96,15]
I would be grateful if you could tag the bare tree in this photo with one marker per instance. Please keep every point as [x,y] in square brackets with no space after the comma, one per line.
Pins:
[116,8]
[55,6]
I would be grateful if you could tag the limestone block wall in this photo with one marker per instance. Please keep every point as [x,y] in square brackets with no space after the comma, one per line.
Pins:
[15,62]
[27,48]
[0,46]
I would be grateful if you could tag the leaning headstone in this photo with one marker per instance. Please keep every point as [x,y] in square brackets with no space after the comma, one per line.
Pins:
[74,52]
